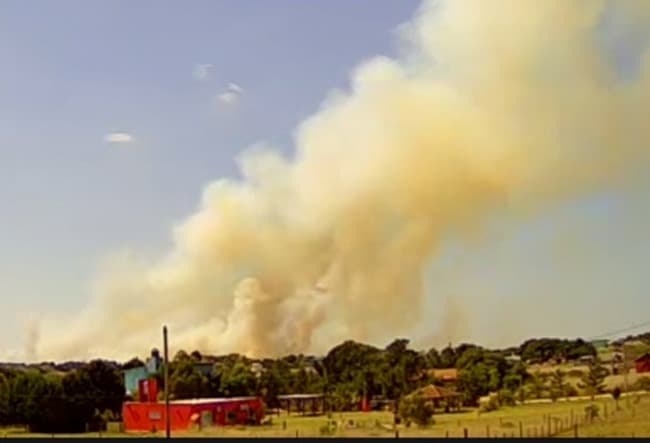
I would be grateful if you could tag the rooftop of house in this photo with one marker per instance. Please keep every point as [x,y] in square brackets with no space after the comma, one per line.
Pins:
[432,392]
[643,357]
[449,374]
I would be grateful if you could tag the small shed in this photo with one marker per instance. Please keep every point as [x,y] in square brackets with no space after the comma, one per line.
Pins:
[642,364]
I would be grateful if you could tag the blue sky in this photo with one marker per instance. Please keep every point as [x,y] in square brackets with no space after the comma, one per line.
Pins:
[75,71]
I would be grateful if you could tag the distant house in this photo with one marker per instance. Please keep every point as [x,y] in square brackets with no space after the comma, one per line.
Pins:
[445,377]
[513,358]
[132,378]
[586,359]
[440,397]
[205,368]
[642,364]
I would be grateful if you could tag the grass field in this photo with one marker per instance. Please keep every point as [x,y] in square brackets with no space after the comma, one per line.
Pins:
[633,419]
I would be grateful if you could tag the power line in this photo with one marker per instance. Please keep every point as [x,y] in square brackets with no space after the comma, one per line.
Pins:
[620,331]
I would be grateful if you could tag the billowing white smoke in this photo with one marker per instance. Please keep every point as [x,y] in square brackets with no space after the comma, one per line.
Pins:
[501,105]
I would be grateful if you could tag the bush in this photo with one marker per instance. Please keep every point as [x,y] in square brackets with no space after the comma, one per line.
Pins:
[571,391]
[641,384]
[326,429]
[506,397]
[489,404]
[417,410]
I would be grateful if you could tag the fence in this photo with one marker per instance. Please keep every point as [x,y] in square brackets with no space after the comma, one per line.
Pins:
[574,422]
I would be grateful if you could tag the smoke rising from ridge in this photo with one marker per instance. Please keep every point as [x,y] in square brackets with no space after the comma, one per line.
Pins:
[497,106]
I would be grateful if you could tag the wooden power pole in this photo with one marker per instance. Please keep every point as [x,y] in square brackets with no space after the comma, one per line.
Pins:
[625,380]
[166,369]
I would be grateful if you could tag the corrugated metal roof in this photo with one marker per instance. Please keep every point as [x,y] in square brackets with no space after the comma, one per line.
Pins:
[299,396]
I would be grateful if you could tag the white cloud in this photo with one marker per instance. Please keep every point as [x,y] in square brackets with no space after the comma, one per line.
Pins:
[231,95]
[118,138]
[228,97]
[202,71]
[234,87]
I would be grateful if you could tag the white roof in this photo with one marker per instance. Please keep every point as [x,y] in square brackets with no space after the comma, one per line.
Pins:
[202,401]
[299,396]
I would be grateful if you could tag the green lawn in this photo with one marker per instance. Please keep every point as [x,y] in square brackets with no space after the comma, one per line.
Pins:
[633,419]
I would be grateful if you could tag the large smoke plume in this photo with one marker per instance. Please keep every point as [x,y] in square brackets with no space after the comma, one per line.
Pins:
[495,107]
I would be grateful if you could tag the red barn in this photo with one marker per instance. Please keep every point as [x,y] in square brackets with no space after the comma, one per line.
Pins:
[150,416]
[642,364]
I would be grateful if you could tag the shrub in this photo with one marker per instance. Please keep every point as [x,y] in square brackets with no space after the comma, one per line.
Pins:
[571,391]
[641,384]
[506,397]
[575,373]
[491,403]
[417,410]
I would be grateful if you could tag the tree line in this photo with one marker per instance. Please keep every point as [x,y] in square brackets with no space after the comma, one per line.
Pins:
[92,393]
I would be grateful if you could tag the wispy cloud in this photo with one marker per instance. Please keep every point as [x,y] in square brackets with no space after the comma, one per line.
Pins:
[202,71]
[234,87]
[232,94]
[118,138]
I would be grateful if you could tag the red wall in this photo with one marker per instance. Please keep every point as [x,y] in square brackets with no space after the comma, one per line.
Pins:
[642,366]
[149,416]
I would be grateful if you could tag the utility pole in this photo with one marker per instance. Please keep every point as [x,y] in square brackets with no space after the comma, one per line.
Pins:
[625,381]
[166,369]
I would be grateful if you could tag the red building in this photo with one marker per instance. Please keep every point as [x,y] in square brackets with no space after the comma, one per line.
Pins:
[642,364]
[184,414]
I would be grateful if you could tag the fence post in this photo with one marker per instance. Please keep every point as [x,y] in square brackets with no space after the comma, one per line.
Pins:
[465,432]
[487,431]
[447,433]
[296,433]
[575,430]
[396,433]
[521,430]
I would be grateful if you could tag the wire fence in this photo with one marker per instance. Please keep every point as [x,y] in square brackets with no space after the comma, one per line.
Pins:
[575,421]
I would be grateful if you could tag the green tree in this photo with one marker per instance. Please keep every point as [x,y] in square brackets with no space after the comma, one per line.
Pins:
[448,357]
[106,386]
[4,400]
[275,381]
[186,381]
[80,403]
[433,359]
[593,381]
[238,380]
[476,381]
[558,385]
[536,386]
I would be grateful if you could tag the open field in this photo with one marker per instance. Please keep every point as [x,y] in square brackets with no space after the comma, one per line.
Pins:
[633,419]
